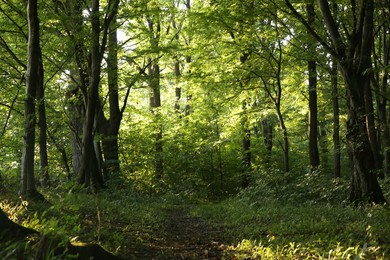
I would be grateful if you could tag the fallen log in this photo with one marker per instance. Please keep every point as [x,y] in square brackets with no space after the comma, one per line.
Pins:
[49,246]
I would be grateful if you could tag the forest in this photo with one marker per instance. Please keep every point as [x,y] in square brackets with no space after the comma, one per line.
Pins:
[194,129]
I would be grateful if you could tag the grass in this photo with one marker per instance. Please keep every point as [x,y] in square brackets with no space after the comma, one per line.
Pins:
[280,216]
[300,217]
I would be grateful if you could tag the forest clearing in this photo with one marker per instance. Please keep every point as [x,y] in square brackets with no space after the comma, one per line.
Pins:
[194,129]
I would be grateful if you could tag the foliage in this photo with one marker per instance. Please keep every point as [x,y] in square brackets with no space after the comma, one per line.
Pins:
[269,221]
[219,77]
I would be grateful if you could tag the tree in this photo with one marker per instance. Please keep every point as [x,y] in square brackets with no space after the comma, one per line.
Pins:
[354,59]
[109,128]
[40,98]
[272,85]
[89,174]
[313,118]
[336,120]
[33,78]
[380,80]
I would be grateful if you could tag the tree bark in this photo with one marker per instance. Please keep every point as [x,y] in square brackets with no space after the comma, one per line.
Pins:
[313,120]
[267,133]
[155,106]
[246,157]
[89,175]
[111,125]
[42,124]
[28,188]
[380,82]
[336,121]
[155,98]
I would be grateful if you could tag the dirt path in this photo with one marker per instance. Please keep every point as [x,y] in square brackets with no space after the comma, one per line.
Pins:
[183,236]
[190,237]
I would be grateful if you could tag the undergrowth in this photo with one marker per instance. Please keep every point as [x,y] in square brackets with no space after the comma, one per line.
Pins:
[292,216]
[280,216]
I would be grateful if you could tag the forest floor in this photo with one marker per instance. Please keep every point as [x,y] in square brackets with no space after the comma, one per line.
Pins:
[181,236]
[275,219]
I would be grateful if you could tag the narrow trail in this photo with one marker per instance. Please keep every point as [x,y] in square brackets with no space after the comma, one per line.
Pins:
[182,236]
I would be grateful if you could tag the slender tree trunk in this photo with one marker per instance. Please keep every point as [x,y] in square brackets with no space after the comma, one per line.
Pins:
[177,88]
[267,133]
[380,81]
[28,188]
[336,122]
[111,131]
[277,102]
[313,120]
[43,158]
[155,105]
[155,99]
[371,129]
[285,140]
[89,175]
[246,157]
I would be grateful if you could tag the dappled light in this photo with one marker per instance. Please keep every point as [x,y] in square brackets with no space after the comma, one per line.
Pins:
[194,129]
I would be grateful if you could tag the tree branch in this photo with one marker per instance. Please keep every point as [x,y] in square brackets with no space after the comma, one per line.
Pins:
[315,35]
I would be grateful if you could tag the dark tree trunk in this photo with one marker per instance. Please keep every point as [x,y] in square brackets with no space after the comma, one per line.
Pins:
[111,126]
[364,183]
[89,175]
[267,133]
[313,120]
[43,158]
[336,121]
[28,188]
[285,140]
[354,58]
[155,98]
[246,157]
[177,88]
[380,81]
[11,230]
[155,105]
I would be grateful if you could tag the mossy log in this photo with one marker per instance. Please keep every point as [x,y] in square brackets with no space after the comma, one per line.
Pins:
[49,246]
[10,230]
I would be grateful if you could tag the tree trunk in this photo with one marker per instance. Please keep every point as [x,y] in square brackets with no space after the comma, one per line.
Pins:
[111,126]
[380,81]
[267,133]
[28,187]
[285,140]
[155,105]
[43,158]
[336,121]
[354,58]
[177,88]
[246,156]
[364,183]
[89,175]
[10,230]
[155,98]
[313,120]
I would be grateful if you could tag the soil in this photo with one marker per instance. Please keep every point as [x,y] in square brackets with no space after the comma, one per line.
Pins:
[182,236]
